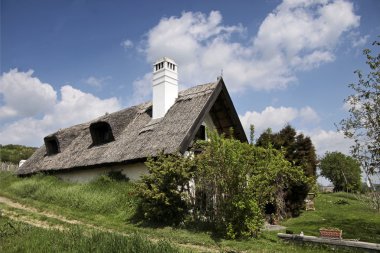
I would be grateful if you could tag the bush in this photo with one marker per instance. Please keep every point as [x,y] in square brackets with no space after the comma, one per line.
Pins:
[165,190]
[232,182]
[225,197]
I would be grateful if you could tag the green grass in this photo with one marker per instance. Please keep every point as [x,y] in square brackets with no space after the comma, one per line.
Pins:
[19,237]
[102,196]
[112,204]
[340,210]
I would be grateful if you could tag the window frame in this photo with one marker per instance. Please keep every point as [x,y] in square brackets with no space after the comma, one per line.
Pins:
[101,133]
[52,145]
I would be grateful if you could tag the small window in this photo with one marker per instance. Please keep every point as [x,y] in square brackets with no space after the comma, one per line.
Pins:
[101,133]
[52,145]
[201,134]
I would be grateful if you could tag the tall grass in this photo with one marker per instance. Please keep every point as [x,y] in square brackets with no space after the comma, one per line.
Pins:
[103,196]
[19,237]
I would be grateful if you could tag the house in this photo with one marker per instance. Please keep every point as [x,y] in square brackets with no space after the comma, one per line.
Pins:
[121,141]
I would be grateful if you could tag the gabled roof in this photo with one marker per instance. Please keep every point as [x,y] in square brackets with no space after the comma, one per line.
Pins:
[137,136]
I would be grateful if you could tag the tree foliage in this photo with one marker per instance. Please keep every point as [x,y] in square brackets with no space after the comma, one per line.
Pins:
[343,171]
[232,182]
[165,190]
[363,123]
[224,197]
[299,151]
[14,153]
[235,181]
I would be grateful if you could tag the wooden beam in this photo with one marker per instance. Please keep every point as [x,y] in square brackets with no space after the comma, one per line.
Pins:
[337,242]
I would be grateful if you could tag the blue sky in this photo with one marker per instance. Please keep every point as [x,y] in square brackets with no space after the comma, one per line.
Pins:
[68,61]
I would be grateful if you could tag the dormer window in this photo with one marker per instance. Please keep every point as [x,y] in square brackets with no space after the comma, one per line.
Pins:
[101,133]
[52,145]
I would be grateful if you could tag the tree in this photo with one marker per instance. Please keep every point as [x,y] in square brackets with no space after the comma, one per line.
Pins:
[300,152]
[226,187]
[342,170]
[299,149]
[14,153]
[235,181]
[363,122]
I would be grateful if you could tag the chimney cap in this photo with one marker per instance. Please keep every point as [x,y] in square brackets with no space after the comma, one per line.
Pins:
[165,59]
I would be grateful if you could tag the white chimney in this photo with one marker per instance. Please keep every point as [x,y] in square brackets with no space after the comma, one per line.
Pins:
[165,86]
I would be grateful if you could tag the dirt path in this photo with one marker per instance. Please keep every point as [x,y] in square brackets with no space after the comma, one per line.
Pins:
[46,225]
[17,205]
[36,223]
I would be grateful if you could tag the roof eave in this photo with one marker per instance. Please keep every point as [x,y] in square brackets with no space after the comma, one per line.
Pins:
[206,109]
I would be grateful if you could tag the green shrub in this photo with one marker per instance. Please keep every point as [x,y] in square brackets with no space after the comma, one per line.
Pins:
[232,182]
[164,191]
[237,181]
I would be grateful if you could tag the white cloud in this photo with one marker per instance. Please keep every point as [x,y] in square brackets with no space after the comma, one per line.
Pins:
[7,112]
[307,114]
[142,90]
[360,41]
[301,27]
[74,107]
[277,118]
[190,40]
[313,60]
[26,131]
[329,141]
[127,44]
[296,36]
[95,81]
[25,95]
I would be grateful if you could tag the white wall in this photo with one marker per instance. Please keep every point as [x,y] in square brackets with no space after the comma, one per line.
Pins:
[132,171]
[208,122]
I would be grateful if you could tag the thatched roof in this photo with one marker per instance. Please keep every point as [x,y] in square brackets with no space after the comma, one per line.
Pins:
[136,135]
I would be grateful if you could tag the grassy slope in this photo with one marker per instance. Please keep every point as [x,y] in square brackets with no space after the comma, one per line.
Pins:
[20,237]
[356,219]
[112,205]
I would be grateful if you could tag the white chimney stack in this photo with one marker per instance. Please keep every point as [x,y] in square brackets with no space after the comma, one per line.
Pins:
[165,86]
